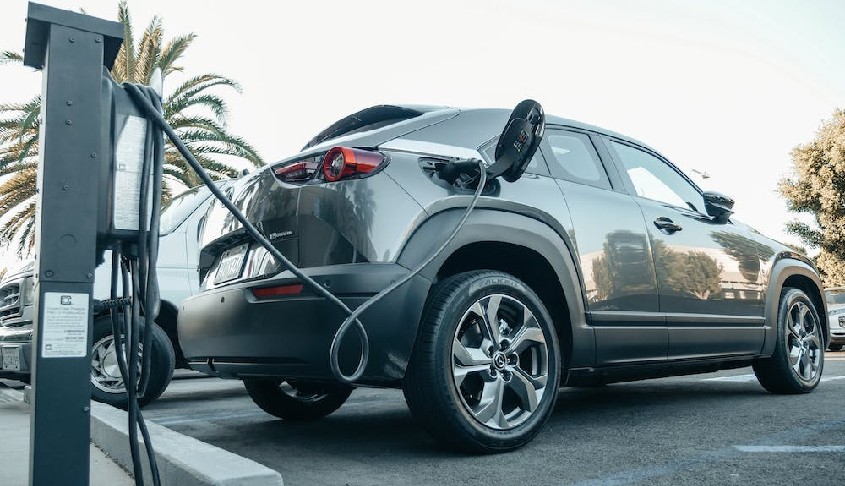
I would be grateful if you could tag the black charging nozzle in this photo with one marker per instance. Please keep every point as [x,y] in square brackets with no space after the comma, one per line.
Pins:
[514,150]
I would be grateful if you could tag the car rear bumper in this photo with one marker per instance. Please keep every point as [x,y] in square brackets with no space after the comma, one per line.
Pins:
[837,329]
[230,333]
[15,351]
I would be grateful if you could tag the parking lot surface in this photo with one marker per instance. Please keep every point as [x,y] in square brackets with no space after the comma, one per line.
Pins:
[718,428]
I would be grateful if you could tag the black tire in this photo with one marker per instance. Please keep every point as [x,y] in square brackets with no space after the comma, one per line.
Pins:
[106,384]
[797,362]
[447,396]
[834,347]
[297,401]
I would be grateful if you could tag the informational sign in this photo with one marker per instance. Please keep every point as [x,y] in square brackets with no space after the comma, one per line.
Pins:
[129,163]
[65,330]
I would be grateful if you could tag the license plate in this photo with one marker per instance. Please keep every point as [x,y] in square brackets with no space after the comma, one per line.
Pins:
[231,264]
[11,358]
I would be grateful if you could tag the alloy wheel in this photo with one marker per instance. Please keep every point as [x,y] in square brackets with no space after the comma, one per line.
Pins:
[105,372]
[500,361]
[804,343]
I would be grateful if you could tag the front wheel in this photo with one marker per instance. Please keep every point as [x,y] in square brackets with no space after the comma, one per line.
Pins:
[485,371]
[798,359]
[296,400]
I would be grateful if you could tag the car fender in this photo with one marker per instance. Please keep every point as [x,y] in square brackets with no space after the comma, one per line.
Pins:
[788,264]
[489,224]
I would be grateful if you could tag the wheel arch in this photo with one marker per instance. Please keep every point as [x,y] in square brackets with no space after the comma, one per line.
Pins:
[519,245]
[790,272]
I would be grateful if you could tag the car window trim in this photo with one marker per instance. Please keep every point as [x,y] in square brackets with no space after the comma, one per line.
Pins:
[632,191]
[614,183]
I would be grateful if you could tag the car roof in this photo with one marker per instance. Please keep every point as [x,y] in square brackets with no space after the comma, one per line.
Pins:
[493,117]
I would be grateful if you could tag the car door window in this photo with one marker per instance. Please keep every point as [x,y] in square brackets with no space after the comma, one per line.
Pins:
[654,179]
[575,159]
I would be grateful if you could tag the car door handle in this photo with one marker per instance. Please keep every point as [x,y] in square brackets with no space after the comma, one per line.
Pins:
[667,225]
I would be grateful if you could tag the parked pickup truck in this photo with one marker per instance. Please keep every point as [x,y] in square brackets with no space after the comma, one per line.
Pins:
[181,221]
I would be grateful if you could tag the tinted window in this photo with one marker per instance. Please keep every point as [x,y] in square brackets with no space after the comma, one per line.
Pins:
[576,160]
[655,179]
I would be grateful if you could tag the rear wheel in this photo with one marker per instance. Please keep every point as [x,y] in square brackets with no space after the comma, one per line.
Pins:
[486,367]
[106,382]
[798,360]
[295,400]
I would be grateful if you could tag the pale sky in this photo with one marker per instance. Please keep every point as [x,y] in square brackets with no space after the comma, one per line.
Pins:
[723,87]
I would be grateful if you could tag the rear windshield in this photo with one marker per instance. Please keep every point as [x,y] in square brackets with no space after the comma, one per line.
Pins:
[371,118]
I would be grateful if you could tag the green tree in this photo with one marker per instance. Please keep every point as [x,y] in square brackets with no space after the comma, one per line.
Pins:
[818,188]
[193,109]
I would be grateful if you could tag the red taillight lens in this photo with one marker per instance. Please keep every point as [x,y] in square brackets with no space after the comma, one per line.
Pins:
[294,289]
[296,171]
[342,162]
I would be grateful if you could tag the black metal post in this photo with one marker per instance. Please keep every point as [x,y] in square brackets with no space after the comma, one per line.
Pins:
[71,49]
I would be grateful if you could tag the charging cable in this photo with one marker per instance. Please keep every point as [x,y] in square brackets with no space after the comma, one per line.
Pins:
[352,320]
[137,263]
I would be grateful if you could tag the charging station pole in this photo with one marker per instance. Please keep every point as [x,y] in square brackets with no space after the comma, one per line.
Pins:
[71,49]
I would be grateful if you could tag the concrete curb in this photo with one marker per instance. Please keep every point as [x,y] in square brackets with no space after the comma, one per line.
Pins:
[181,460]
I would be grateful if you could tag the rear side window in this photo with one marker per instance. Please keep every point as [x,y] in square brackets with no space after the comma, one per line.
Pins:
[575,159]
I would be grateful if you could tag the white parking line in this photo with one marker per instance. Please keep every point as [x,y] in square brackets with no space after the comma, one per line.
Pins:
[751,377]
[837,449]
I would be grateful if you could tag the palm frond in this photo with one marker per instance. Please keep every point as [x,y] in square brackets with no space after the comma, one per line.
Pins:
[198,84]
[10,56]
[148,53]
[124,65]
[210,101]
[173,51]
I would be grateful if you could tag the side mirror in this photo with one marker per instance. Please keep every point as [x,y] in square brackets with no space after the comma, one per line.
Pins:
[718,206]
[519,141]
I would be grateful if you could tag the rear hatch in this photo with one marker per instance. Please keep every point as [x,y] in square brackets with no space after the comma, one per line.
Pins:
[270,199]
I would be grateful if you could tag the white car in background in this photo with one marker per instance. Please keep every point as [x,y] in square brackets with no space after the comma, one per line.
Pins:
[836,316]
[181,222]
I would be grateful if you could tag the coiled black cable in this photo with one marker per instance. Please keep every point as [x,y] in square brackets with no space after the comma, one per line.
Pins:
[352,320]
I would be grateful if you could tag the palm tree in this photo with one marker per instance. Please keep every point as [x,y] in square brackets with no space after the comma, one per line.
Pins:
[193,109]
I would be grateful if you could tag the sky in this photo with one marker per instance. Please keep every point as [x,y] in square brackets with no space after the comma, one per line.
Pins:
[720,87]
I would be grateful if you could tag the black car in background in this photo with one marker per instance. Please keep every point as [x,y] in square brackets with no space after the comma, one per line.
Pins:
[603,263]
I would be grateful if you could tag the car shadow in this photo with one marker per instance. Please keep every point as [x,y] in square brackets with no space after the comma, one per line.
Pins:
[382,424]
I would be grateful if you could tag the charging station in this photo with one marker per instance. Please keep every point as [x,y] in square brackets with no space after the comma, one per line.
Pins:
[71,50]
[99,187]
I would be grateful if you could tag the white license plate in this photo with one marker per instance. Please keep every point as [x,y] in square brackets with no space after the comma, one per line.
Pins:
[11,358]
[231,264]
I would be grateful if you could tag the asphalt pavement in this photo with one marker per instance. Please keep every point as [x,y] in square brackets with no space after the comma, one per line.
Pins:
[718,428]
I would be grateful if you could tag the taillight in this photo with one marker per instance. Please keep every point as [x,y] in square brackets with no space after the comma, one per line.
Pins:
[292,289]
[341,162]
[297,171]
